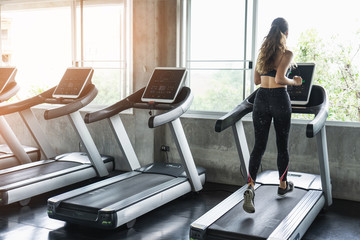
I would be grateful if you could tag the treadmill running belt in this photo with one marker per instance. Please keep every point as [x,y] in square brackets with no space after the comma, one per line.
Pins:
[118,191]
[270,210]
[35,171]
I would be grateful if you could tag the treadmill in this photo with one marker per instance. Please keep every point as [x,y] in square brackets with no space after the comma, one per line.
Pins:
[119,200]
[275,217]
[20,183]
[12,153]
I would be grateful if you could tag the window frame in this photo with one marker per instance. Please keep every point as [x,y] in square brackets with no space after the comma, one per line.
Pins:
[183,47]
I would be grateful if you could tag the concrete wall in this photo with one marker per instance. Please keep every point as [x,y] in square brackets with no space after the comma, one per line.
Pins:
[217,153]
[154,41]
[154,45]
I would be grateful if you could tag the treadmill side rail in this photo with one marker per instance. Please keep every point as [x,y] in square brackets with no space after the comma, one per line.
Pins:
[46,183]
[122,212]
[300,218]
[140,208]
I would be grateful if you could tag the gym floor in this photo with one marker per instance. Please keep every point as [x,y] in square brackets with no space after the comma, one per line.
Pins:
[341,221]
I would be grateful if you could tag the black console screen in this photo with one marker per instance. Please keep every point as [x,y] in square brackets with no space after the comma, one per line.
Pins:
[164,84]
[73,82]
[301,93]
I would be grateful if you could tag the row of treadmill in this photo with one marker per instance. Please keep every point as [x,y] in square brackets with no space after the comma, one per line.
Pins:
[118,197]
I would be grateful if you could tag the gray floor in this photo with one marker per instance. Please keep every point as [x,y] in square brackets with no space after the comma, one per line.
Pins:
[341,221]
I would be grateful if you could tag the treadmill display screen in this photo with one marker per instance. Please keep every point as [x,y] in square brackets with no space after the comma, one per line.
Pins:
[164,85]
[6,75]
[73,82]
[301,94]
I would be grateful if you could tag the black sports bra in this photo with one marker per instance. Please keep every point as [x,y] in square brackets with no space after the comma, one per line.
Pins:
[272,73]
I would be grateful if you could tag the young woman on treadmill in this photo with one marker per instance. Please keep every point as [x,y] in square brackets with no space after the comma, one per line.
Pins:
[272,101]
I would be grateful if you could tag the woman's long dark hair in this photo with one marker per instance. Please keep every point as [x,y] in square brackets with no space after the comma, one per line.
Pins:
[274,42]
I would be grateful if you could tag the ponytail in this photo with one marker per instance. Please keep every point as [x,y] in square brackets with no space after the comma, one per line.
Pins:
[275,41]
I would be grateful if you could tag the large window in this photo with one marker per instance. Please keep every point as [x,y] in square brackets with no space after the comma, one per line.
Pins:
[323,32]
[38,43]
[43,38]
[218,52]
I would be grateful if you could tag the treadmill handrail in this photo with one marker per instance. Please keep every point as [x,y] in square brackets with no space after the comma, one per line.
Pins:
[184,101]
[321,111]
[112,109]
[176,109]
[10,90]
[24,104]
[72,105]
[236,114]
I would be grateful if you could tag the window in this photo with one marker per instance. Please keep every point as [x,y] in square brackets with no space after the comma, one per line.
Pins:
[106,46]
[218,52]
[222,38]
[327,33]
[45,37]
[38,44]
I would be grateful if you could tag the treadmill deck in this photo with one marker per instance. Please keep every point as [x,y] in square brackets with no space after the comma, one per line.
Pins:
[270,211]
[115,192]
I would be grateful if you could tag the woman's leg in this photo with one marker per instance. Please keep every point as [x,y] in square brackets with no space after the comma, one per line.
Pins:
[261,121]
[282,123]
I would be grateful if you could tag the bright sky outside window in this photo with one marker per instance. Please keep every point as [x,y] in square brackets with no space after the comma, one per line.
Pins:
[39,42]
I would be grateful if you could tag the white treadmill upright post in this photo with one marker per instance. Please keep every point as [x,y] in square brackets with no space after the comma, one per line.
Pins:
[185,154]
[90,147]
[13,142]
[38,134]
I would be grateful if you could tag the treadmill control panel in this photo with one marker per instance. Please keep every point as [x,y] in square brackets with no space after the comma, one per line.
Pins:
[164,85]
[73,82]
[301,94]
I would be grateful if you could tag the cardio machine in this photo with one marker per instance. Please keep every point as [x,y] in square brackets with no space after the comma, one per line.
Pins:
[119,200]
[20,183]
[275,218]
[12,153]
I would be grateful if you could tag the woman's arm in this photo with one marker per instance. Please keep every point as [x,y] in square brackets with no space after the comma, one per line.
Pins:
[280,77]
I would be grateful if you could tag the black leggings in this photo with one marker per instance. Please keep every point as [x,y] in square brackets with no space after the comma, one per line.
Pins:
[271,103]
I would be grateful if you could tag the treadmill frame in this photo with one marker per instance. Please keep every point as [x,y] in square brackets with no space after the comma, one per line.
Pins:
[300,218]
[19,154]
[137,205]
[128,209]
[25,189]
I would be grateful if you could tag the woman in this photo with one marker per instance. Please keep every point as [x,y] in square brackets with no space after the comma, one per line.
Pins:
[272,102]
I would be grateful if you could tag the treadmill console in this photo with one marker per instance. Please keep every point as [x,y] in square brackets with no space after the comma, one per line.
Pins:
[73,82]
[7,75]
[164,85]
[300,95]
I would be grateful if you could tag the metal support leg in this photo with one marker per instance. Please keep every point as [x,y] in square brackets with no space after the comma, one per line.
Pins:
[324,165]
[185,154]
[38,134]
[242,147]
[13,142]
[90,147]
[124,142]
